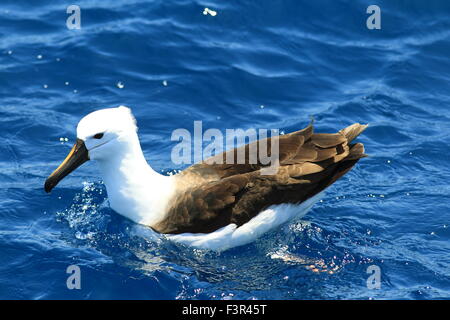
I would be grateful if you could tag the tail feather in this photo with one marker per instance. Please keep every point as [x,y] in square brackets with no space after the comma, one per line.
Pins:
[341,163]
[351,132]
[356,152]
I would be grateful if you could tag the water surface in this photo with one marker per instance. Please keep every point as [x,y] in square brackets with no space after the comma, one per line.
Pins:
[173,65]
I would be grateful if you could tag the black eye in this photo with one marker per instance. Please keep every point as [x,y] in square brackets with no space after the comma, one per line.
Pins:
[98,135]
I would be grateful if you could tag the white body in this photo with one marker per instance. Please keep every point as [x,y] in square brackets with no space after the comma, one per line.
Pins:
[230,236]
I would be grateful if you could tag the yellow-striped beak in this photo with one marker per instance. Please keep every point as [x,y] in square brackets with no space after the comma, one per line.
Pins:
[76,157]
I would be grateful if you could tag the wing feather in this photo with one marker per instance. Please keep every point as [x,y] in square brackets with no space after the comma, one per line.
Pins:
[212,196]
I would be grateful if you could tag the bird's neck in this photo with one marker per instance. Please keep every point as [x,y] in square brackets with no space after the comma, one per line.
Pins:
[134,189]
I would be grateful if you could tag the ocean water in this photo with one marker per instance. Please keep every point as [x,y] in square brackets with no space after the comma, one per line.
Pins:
[255,64]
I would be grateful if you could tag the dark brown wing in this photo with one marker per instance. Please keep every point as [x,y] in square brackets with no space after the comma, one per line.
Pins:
[214,195]
[216,168]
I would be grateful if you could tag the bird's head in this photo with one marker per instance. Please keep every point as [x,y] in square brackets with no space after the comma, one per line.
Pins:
[101,135]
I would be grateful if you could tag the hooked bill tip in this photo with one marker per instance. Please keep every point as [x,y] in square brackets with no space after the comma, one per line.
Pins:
[48,186]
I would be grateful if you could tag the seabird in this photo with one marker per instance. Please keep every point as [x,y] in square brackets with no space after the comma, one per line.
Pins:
[210,206]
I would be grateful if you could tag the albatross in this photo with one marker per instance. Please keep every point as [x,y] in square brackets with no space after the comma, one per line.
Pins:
[210,205]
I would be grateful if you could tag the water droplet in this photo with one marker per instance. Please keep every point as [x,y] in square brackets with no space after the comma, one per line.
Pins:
[261,106]
[10,52]
[80,236]
[120,85]
[45,86]
[66,83]
[211,12]
[39,56]
[164,83]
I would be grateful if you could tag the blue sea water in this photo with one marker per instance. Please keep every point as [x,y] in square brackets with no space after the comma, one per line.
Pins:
[261,64]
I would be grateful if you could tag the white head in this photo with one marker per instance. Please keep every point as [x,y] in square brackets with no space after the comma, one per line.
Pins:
[134,189]
[101,135]
[105,131]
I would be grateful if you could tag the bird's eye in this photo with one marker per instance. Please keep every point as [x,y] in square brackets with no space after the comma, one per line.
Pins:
[98,135]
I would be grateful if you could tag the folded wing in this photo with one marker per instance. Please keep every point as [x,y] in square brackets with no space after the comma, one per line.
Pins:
[215,195]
